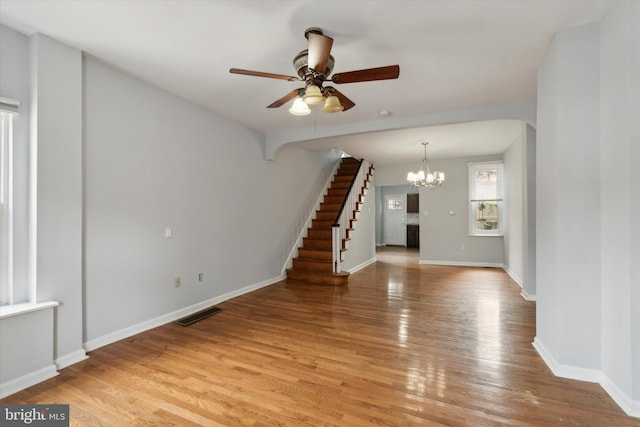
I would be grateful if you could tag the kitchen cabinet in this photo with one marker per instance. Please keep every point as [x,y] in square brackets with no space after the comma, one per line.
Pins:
[413,203]
[413,236]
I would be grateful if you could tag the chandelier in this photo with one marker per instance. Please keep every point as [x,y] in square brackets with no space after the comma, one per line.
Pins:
[424,177]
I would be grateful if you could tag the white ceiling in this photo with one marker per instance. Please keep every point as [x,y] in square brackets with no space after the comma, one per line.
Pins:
[452,55]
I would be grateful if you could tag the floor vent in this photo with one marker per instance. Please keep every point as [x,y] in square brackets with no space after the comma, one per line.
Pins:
[196,317]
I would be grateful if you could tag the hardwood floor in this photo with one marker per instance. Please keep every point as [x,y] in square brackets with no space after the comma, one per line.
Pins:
[403,344]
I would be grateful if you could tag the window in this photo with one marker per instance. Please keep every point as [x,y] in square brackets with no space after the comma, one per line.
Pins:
[394,204]
[485,199]
[8,110]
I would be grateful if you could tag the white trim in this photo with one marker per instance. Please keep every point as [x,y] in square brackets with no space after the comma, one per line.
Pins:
[462,263]
[527,297]
[513,276]
[629,406]
[71,359]
[565,371]
[363,265]
[174,315]
[18,309]
[28,380]
[516,279]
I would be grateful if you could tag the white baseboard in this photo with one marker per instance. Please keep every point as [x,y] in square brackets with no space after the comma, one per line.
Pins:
[70,359]
[513,276]
[565,371]
[25,381]
[527,296]
[524,294]
[363,265]
[174,315]
[629,406]
[463,263]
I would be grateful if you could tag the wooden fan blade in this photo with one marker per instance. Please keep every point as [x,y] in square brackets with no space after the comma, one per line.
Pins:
[370,74]
[288,97]
[318,51]
[344,101]
[261,74]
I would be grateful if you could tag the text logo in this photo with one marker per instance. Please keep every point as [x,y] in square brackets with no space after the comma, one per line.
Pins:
[34,415]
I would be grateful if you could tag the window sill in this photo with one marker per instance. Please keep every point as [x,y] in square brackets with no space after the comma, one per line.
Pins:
[18,309]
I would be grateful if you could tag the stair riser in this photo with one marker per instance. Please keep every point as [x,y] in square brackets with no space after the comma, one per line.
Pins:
[318,279]
[319,234]
[321,224]
[334,200]
[316,243]
[326,215]
[337,192]
[330,207]
[304,264]
[341,184]
[314,254]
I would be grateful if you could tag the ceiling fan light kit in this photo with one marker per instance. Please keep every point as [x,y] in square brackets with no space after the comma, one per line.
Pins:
[313,66]
[424,177]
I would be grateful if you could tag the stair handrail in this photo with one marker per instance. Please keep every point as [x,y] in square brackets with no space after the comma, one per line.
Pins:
[339,226]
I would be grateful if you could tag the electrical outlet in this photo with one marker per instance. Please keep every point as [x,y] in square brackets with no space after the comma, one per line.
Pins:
[200,277]
[177,282]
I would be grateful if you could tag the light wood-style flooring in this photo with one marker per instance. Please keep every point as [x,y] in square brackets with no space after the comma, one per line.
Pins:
[404,344]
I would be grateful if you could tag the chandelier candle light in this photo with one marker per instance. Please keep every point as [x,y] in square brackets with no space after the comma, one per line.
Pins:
[424,177]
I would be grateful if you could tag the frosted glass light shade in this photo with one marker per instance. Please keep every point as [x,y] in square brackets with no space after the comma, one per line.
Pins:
[313,95]
[299,108]
[332,105]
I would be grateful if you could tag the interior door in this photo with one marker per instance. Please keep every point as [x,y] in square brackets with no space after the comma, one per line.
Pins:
[395,219]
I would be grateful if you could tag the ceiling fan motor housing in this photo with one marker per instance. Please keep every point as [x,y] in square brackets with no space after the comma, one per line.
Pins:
[301,61]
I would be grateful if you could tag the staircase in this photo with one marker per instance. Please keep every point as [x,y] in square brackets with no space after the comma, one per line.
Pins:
[314,261]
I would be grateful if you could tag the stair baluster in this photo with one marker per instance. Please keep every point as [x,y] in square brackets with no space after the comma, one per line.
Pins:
[348,212]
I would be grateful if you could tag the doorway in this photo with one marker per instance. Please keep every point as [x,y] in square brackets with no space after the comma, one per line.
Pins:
[395,206]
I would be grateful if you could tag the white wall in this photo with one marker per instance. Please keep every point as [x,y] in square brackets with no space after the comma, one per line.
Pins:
[519,194]
[56,179]
[515,196]
[154,161]
[588,155]
[620,199]
[568,196]
[529,269]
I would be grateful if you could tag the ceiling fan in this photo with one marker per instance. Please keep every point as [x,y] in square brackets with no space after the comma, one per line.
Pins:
[314,66]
